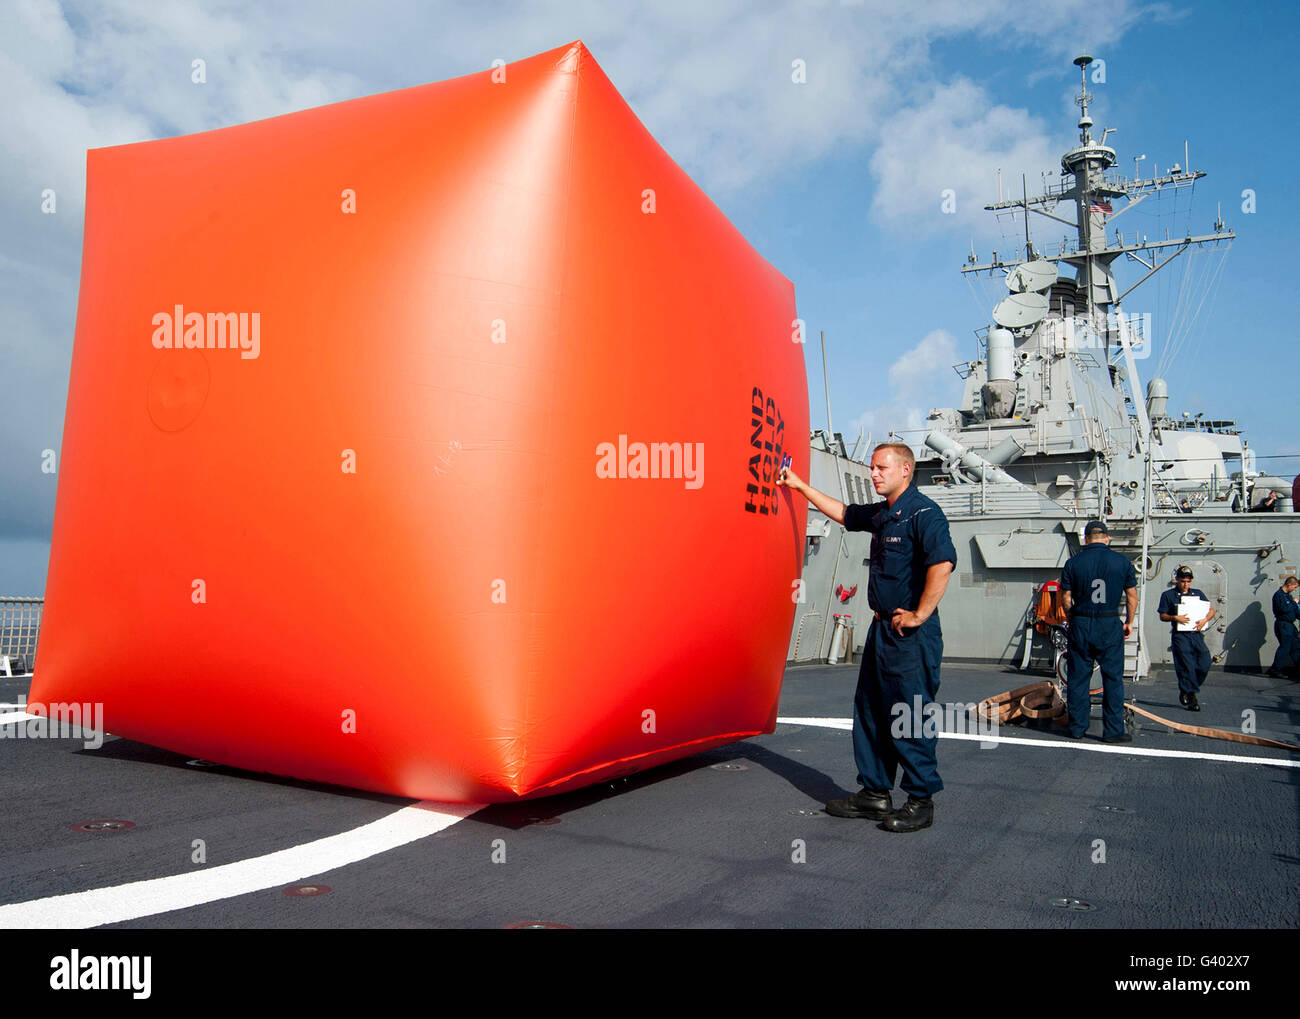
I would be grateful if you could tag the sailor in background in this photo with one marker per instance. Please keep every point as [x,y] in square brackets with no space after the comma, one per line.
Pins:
[1267,505]
[1092,583]
[912,557]
[1191,656]
[1285,615]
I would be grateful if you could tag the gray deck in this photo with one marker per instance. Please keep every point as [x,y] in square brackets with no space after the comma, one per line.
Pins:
[1194,844]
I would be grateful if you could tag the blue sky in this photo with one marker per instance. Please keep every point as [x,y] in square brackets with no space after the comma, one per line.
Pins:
[837,181]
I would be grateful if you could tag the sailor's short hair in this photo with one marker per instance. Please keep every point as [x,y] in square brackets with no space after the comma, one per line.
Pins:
[901,449]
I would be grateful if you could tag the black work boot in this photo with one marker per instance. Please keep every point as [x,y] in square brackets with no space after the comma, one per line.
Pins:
[913,815]
[865,803]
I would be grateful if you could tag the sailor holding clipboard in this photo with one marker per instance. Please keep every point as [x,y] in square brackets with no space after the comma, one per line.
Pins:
[1189,612]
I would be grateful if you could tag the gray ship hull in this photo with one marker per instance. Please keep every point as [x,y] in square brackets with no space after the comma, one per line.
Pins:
[1238,560]
[985,609]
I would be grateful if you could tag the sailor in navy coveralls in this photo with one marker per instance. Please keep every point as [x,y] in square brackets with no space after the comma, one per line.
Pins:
[1285,615]
[1092,582]
[912,557]
[1191,656]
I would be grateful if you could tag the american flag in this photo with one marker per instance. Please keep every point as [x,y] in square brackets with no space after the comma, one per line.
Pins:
[1100,205]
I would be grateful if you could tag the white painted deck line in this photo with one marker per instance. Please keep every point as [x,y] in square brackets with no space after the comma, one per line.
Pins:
[1091,748]
[287,866]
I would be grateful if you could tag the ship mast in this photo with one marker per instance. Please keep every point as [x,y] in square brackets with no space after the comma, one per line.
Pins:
[1092,191]
[1089,183]
[1092,188]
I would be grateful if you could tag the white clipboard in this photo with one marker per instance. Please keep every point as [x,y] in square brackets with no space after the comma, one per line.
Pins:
[1195,609]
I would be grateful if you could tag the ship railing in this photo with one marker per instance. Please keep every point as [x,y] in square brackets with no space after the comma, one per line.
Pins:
[1109,181]
[1197,424]
[1122,183]
[20,626]
[1183,496]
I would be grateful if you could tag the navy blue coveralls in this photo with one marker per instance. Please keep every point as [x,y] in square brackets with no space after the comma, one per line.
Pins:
[1285,615]
[1191,656]
[907,539]
[1096,578]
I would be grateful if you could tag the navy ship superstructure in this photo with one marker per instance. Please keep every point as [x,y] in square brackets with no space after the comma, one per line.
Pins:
[1055,429]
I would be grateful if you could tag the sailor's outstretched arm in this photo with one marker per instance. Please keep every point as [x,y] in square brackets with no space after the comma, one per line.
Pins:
[833,508]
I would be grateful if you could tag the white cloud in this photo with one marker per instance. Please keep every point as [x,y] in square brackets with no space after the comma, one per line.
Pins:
[938,160]
[920,369]
[918,382]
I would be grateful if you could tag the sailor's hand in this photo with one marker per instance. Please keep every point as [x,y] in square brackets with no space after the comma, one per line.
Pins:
[903,619]
[1128,630]
[1182,619]
[786,476]
[1201,624]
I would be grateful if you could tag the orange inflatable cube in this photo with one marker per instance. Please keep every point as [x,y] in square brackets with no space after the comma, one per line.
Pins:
[425,444]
